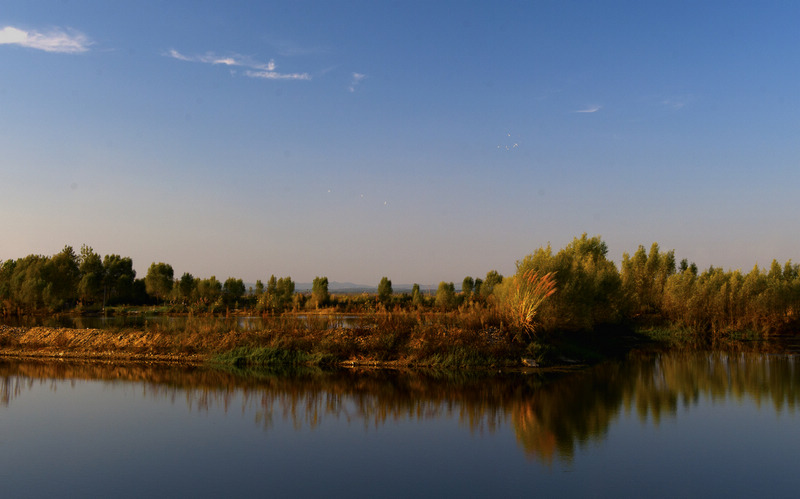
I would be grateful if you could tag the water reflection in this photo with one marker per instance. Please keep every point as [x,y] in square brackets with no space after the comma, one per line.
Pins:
[564,415]
[552,415]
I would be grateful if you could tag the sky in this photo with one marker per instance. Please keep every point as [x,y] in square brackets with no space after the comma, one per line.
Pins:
[423,141]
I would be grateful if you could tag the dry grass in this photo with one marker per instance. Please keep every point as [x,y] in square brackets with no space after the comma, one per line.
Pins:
[530,291]
[470,337]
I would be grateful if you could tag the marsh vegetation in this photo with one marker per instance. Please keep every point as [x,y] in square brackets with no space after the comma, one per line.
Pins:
[572,293]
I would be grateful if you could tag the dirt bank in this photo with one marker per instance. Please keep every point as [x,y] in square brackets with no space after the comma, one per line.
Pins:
[46,342]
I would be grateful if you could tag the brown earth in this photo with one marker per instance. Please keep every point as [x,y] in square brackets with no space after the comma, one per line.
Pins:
[66,343]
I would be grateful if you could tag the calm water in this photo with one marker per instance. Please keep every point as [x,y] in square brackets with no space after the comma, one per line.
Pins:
[655,425]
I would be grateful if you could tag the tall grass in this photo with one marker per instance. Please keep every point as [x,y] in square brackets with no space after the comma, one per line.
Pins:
[530,291]
[402,338]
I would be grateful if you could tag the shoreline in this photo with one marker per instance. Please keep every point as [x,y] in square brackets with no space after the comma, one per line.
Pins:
[234,348]
[247,349]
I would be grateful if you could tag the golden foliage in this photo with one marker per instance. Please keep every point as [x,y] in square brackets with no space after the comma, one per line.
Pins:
[529,292]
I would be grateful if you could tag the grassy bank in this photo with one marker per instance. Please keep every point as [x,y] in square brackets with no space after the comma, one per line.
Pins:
[411,339]
[383,339]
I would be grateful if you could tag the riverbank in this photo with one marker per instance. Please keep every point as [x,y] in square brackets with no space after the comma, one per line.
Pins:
[95,344]
[397,344]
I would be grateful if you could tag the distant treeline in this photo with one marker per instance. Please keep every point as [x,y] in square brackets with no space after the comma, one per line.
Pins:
[86,282]
[576,289]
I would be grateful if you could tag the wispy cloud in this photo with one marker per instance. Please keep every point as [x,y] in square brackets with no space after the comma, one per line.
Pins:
[255,69]
[177,55]
[590,109]
[357,78]
[56,40]
[273,75]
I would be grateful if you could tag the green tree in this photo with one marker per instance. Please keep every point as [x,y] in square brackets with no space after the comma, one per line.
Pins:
[62,274]
[92,276]
[446,295]
[385,290]
[279,294]
[644,277]
[493,278]
[284,292]
[186,286]
[416,296]
[6,273]
[208,290]
[589,288]
[270,297]
[232,291]
[27,282]
[158,280]
[477,289]
[319,291]
[118,279]
[467,285]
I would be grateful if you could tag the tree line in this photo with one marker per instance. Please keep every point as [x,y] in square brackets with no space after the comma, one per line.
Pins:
[651,289]
[85,281]
[575,289]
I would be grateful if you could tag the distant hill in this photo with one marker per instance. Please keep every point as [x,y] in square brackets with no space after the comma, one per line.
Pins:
[353,288]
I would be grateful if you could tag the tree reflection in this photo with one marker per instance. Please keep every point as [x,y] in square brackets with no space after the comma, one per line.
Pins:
[552,415]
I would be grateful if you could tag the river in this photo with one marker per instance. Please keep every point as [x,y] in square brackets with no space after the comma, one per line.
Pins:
[653,424]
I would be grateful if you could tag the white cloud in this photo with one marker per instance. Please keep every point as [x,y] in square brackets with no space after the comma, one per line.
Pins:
[210,58]
[56,40]
[357,78]
[590,109]
[256,69]
[272,75]
[177,55]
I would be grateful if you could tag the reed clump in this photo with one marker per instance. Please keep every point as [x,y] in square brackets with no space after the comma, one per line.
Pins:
[410,339]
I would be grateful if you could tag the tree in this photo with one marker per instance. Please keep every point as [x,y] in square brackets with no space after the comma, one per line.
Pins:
[477,289]
[285,290]
[158,281]
[589,285]
[467,285]
[62,275]
[209,290]
[446,295]
[385,290]
[233,290]
[644,277]
[25,281]
[493,278]
[6,273]
[279,293]
[270,297]
[416,296]
[319,291]
[118,279]
[90,267]
[186,286]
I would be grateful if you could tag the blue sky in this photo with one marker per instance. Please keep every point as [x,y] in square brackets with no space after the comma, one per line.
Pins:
[424,141]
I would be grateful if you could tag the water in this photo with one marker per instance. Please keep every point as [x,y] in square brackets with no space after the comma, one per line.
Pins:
[661,425]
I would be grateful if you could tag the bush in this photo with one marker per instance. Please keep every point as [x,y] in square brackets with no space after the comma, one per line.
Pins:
[589,288]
